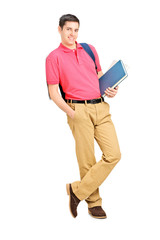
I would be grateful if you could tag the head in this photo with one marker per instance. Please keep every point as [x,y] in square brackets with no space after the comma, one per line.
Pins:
[68,29]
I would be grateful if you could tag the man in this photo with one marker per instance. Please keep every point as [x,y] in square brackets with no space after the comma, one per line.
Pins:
[88,115]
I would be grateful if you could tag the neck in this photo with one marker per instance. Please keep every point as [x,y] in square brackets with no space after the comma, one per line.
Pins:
[74,46]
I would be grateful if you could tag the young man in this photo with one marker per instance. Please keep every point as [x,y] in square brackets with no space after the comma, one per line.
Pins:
[88,115]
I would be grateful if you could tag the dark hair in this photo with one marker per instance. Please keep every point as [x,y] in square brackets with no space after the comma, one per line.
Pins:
[68,17]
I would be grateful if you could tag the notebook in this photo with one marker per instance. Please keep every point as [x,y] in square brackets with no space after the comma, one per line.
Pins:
[113,77]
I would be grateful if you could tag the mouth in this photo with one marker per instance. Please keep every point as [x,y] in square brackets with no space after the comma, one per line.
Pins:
[71,38]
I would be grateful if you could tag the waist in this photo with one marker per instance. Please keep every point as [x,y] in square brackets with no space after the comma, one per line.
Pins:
[92,101]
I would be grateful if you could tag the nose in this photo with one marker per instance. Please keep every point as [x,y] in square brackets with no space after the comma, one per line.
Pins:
[72,33]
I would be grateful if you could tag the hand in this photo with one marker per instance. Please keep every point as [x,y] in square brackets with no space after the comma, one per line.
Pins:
[111,92]
[72,115]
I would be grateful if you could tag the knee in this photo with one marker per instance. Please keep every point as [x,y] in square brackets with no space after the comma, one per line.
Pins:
[112,158]
[115,157]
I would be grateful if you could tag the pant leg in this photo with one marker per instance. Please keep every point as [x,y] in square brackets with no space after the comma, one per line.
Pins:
[106,137]
[83,131]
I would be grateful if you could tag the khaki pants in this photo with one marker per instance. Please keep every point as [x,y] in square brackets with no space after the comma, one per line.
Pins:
[93,121]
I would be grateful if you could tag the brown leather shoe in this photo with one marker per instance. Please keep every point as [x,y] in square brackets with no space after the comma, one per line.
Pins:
[73,200]
[97,212]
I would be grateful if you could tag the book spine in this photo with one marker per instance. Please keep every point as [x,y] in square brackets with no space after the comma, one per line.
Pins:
[124,67]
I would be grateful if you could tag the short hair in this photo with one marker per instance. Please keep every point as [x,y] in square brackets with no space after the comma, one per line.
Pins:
[67,17]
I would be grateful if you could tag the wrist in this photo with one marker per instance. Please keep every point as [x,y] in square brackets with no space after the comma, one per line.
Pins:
[71,114]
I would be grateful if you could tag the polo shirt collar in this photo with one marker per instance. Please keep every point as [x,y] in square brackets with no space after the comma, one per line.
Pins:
[65,49]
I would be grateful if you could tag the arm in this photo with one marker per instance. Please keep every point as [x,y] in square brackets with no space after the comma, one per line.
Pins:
[110,92]
[58,100]
[100,74]
[52,77]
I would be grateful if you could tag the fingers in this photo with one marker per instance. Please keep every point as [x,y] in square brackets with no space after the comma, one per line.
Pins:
[111,92]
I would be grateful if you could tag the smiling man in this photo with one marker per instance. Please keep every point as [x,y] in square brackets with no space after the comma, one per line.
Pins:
[88,116]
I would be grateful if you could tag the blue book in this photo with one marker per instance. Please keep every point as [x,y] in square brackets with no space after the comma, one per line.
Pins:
[113,77]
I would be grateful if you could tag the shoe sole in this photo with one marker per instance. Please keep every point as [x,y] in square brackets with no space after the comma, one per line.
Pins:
[99,217]
[68,193]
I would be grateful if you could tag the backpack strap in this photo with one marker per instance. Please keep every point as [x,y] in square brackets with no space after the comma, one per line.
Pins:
[87,48]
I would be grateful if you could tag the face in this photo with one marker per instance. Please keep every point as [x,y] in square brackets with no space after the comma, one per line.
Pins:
[69,33]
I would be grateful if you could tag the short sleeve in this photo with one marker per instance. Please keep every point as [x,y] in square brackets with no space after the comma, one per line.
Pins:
[96,58]
[52,71]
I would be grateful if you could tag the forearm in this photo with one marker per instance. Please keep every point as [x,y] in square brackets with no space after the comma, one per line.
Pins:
[58,100]
[100,74]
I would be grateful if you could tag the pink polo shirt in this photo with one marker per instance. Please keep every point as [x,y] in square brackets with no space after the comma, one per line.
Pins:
[75,71]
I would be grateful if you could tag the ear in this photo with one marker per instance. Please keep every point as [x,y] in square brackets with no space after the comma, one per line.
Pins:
[59,29]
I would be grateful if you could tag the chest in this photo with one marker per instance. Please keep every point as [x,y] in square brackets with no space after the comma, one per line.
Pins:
[76,61]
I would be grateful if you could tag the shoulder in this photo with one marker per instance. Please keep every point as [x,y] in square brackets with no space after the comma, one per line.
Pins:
[93,50]
[91,46]
[53,55]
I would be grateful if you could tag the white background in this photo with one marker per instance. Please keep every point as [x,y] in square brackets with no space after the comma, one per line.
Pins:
[37,156]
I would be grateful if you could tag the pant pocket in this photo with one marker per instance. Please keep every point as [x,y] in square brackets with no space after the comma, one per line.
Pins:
[106,108]
[70,121]
[72,105]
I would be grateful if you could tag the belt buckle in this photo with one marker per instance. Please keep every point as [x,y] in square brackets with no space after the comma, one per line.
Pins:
[94,101]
